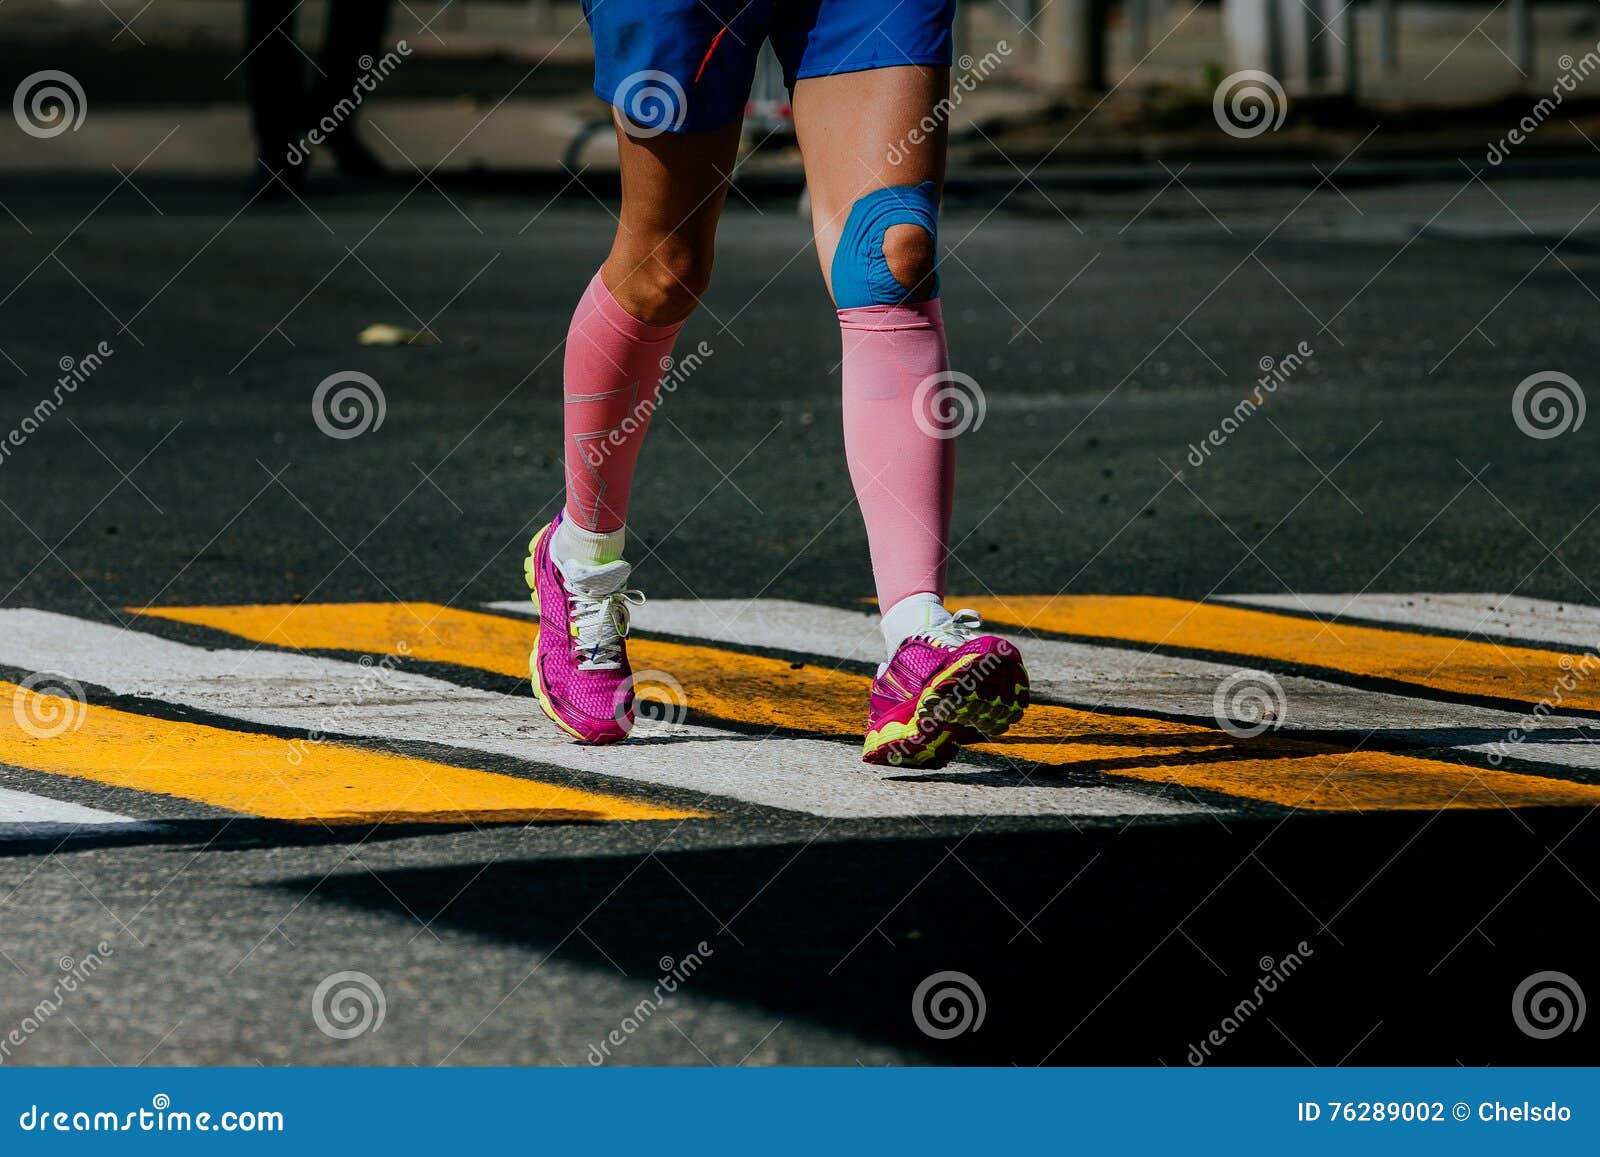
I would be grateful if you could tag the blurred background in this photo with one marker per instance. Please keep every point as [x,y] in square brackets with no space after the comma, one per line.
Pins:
[1148,204]
[497,88]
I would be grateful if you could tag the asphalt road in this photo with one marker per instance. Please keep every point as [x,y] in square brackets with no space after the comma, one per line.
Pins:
[1109,335]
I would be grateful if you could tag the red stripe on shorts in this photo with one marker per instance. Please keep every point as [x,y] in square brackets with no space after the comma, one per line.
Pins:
[706,59]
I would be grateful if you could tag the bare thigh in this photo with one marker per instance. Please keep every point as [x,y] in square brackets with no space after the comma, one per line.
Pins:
[862,131]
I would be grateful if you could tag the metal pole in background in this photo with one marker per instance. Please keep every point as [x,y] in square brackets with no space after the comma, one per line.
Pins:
[1342,21]
[1388,36]
[1139,27]
[1254,35]
[1522,37]
[1074,35]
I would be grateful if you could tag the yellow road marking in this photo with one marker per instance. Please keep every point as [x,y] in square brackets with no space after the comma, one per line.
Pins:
[764,692]
[286,779]
[1456,666]
[1274,769]
[742,688]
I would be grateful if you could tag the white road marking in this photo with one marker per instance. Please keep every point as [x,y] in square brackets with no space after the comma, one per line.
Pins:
[1088,675]
[305,694]
[23,816]
[1567,625]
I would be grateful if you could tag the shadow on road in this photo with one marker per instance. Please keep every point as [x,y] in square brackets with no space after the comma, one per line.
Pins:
[1389,939]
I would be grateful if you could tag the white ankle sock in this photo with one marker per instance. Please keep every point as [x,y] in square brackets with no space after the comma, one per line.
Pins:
[910,615]
[572,543]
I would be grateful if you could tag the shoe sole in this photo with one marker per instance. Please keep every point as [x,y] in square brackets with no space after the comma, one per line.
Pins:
[952,710]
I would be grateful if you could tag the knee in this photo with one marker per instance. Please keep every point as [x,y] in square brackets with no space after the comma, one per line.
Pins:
[664,284]
[909,252]
[888,251]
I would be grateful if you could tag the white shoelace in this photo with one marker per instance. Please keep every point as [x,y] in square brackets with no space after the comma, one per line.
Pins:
[602,624]
[957,629]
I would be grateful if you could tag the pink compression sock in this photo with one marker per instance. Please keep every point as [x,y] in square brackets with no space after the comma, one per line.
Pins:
[903,472]
[613,378]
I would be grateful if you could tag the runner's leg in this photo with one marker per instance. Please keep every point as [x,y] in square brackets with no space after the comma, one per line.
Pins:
[875,172]
[874,145]
[673,189]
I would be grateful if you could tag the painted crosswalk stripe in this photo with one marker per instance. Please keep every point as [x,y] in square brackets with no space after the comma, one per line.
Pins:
[1566,625]
[1453,666]
[304,693]
[763,692]
[278,778]
[24,815]
[1092,675]
[1315,776]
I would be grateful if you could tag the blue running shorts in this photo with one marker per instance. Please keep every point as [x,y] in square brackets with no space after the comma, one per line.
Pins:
[686,65]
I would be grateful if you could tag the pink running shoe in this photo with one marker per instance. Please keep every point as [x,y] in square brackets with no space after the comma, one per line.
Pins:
[943,688]
[580,662]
